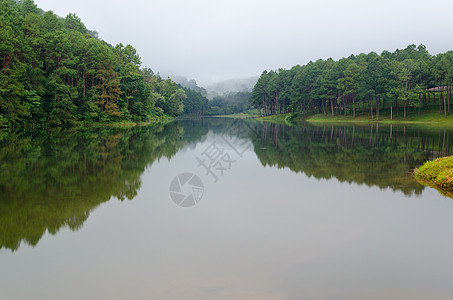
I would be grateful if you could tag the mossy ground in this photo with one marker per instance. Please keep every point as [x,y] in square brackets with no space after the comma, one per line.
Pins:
[437,173]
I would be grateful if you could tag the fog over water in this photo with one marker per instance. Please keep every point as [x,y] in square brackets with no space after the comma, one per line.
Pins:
[216,40]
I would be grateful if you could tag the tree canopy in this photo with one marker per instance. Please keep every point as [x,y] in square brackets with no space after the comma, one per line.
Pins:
[409,77]
[55,71]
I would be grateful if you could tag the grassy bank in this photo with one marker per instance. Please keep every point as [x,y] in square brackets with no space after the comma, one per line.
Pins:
[429,114]
[236,116]
[282,118]
[438,174]
[90,124]
[426,115]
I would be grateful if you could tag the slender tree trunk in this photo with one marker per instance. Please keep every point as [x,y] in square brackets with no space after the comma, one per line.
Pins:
[444,93]
[344,105]
[353,106]
[440,103]
[405,109]
[448,97]
[331,106]
[371,107]
[391,113]
[276,102]
[377,108]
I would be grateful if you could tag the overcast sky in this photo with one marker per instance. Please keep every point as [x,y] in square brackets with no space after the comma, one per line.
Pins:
[213,40]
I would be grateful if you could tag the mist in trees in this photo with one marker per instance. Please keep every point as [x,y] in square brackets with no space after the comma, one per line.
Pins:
[230,103]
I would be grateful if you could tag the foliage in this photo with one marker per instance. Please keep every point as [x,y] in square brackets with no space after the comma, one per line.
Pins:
[439,173]
[194,102]
[55,71]
[410,77]
[230,103]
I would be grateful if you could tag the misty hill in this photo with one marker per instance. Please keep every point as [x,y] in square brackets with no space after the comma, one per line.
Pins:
[185,82]
[212,90]
[231,85]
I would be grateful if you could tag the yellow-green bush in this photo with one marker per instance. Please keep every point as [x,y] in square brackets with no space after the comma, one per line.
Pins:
[438,172]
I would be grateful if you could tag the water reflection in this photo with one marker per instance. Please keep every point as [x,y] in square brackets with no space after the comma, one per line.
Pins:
[375,155]
[54,179]
[51,179]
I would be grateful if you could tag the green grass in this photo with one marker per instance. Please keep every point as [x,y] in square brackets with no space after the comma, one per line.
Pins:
[428,115]
[248,114]
[438,174]
[125,123]
[281,118]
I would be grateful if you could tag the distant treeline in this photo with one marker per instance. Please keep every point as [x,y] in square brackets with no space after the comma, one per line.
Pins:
[54,71]
[230,103]
[411,77]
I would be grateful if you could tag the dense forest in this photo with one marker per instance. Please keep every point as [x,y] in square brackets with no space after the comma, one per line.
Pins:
[364,83]
[55,71]
[230,103]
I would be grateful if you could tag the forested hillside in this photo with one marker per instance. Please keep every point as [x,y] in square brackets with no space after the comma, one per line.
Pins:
[230,103]
[55,71]
[364,83]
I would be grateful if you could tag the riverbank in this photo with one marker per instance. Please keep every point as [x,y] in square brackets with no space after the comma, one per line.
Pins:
[426,116]
[437,173]
[85,124]
[156,120]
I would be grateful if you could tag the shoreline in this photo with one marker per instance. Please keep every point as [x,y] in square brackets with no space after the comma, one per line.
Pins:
[423,120]
[123,124]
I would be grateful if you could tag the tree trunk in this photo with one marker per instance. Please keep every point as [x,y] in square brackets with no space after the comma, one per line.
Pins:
[444,93]
[353,106]
[391,113]
[377,109]
[371,107]
[331,106]
[344,105]
[440,103]
[448,97]
[405,109]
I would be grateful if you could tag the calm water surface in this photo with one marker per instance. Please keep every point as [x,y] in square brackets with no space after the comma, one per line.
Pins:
[309,212]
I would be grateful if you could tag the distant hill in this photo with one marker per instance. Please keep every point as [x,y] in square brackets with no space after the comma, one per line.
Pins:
[187,83]
[231,85]
[212,90]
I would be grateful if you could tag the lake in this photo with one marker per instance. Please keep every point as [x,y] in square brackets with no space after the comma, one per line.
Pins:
[224,209]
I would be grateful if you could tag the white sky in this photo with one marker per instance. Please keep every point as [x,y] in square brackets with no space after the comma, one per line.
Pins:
[213,40]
